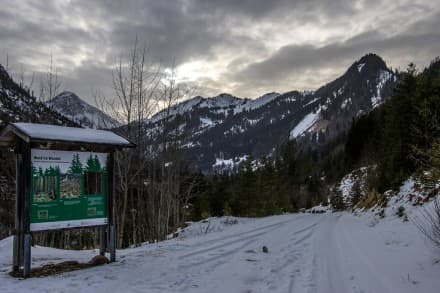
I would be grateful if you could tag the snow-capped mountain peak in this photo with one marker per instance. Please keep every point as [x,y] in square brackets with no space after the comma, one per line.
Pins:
[73,107]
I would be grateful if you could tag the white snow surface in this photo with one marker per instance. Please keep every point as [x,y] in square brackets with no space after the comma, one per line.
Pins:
[228,164]
[73,134]
[306,123]
[347,184]
[206,122]
[223,103]
[257,103]
[383,78]
[223,162]
[330,252]
[345,103]
[360,66]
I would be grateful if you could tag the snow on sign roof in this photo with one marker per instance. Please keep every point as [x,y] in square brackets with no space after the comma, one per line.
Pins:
[42,132]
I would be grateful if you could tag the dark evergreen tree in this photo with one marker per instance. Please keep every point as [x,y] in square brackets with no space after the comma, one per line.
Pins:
[76,165]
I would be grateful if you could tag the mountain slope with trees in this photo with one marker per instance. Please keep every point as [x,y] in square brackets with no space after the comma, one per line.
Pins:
[396,140]
[217,133]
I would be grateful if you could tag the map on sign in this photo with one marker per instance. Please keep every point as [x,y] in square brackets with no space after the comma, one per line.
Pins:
[68,189]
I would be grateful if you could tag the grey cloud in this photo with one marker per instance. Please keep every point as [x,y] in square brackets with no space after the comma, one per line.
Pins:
[230,33]
[420,44]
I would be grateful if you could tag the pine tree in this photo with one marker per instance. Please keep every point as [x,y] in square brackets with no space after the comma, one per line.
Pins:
[76,165]
[337,202]
[394,163]
[92,164]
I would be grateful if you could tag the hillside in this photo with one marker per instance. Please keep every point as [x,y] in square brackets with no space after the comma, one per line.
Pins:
[16,104]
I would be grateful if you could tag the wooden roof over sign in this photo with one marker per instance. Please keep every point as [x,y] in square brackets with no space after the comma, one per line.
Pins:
[41,133]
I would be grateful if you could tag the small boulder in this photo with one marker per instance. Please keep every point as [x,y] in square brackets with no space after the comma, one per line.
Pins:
[265,249]
[99,260]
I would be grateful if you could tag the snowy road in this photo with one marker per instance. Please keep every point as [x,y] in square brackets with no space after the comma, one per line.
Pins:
[307,253]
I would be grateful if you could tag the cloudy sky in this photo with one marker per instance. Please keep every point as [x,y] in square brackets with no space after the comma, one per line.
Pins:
[243,47]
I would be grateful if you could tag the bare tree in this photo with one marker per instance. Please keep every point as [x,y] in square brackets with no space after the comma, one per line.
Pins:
[50,83]
[135,82]
[149,178]
[24,83]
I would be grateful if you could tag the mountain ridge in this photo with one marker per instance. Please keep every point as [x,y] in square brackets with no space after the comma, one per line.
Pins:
[226,129]
[228,132]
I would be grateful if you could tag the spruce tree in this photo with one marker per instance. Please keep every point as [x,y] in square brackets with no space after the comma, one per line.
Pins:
[76,165]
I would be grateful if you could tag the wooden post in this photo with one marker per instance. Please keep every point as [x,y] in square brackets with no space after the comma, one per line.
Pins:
[111,207]
[20,182]
[18,210]
[102,240]
[26,174]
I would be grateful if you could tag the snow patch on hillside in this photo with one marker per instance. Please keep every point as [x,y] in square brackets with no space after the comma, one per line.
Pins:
[257,103]
[206,122]
[220,101]
[305,124]
[222,165]
[180,108]
[345,103]
[382,79]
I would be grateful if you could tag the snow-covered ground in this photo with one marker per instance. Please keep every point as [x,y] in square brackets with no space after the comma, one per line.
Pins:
[330,252]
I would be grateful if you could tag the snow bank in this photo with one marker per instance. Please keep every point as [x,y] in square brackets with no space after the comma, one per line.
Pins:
[209,225]
[318,209]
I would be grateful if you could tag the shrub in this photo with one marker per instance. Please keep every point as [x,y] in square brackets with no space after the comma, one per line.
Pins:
[429,222]
[400,211]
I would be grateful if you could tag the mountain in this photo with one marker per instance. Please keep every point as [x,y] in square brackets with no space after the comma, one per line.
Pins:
[218,133]
[16,104]
[71,106]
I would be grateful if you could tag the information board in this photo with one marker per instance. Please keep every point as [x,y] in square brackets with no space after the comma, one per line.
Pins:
[68,189]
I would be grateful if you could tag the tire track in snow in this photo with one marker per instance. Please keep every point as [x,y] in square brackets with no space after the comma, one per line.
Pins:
[340,266]
[326,263]
[297,267]
[229,248]
[225,239]
[368,268]
[295,252]
[241,234]
[235,248]
[289,264]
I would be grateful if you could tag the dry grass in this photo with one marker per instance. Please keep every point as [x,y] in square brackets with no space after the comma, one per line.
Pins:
[59,268]
[372,199]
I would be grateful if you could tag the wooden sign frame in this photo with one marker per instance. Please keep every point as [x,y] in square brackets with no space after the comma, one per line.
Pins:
[22,137]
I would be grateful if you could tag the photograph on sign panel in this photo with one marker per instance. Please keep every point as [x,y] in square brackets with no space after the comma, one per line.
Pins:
[70,185]
[45,184]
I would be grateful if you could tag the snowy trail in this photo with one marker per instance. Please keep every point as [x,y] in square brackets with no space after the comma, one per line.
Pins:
[307,253]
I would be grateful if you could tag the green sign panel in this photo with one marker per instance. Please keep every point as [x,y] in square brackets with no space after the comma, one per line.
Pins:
[68,189]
